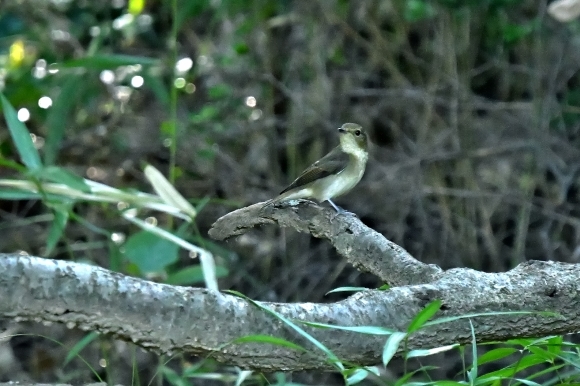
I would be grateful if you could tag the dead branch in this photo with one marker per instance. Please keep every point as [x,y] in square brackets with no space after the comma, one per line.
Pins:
[363,247]
[168,318]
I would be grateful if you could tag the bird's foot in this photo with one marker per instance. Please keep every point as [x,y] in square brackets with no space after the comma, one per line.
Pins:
[347,213]
[339,210]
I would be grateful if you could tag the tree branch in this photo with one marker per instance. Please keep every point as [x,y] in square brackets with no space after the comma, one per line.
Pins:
[169,318]
[363,247]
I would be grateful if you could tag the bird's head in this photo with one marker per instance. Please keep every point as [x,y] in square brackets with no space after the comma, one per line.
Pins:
[352,138]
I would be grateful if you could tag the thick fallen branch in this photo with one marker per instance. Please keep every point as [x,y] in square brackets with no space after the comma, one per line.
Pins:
[178,319]
[363,247]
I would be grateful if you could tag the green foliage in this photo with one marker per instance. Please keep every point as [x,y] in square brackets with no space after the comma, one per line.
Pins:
[20,136]
[276,50]
[416,10]
[192,275]
[150,252]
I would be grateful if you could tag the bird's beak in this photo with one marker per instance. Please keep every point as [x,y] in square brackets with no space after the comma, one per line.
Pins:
[341,130]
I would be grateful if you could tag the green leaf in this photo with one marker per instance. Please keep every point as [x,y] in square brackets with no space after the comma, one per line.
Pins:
[167,191]
[189,9]
[102,62]
[410,374]
[542,353]
[11,164]
[21,136]
[202,203]
[206,114]
[514,32]
[479,314]
[423,316]
[330,355]
[346,289]
[17,194]
[61,213]
[149,252]
[268,339]
[172,377]
[431,351]
[496,354]
[192,275]
[554,344]
[472,374]
[77,348]
[552,369]
[511,370]
[219,91]
[527,382]
[156,85]
[371,330]
[56,120]
[194,368]
[417,10]
[62,176]
[392,346]
[357,376]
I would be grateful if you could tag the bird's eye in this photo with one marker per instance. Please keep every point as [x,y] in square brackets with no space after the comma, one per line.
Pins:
[357,133]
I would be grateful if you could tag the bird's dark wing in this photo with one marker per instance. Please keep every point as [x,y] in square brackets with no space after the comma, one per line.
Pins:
[332,163]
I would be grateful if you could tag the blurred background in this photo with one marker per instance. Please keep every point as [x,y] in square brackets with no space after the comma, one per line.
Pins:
[472,107]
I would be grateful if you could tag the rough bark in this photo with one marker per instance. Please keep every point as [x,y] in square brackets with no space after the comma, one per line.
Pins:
[363,247]
[171,318]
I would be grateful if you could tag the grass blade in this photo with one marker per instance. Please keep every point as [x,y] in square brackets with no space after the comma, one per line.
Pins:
[333,358]
[21,136]
[102,62]
[56,121]
[392,346]
[77,348]
[422,317]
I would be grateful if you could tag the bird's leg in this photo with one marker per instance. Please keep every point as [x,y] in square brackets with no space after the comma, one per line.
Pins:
[340,210]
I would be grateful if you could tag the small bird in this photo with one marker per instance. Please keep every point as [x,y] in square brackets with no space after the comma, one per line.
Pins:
[334,174]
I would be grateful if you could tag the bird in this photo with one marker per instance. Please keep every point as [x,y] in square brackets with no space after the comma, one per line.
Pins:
[334,174]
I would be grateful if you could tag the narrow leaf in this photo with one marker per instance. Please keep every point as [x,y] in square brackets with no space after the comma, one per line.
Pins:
[102,62]
[331,356]
[371,330]
[79,346]
[472,374]
[392,346]
[357,376]
[192,275]
[496,354]
[56,120]
[63,176]
[16,194]
[428,352]
[57,227]
[21,136]
[347,289]
[527,382]
[167,192]
[423,316]
[479,314]
[268,339]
